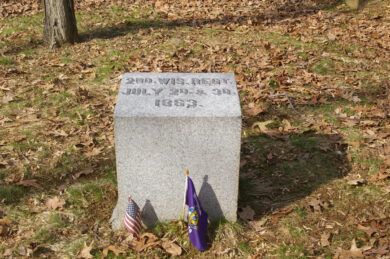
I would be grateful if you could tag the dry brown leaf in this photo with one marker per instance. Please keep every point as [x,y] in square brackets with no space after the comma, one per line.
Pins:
[222,252]
[258,225]
[277,215]
[331,36]
[379,177]
[171,248]
[83,172]
[261,125]
[30,183]
[354,251]
[149,237]
[247,213]
[5,221]
[115,250]
[255,109]
[368,123]
[356,182]
[145,240]
[318,205]
[94,152]
[351,123]
[55,202]
[369,230]
[287,125]
[325,238]
[5,231]
[6,99]
[85,252]
[58,133]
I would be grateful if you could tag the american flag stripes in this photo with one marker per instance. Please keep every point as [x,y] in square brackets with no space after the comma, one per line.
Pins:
[133,218]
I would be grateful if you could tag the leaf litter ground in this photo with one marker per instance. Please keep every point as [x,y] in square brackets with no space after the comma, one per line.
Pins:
[314,86]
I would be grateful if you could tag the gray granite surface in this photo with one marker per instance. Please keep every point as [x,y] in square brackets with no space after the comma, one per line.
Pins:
[167,122]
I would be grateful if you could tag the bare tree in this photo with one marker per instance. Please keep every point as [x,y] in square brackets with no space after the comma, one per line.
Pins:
[60,23]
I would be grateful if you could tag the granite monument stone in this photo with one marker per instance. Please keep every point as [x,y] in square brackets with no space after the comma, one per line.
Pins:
[167,122]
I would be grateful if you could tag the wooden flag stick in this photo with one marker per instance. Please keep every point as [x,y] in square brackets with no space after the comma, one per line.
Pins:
[185,195]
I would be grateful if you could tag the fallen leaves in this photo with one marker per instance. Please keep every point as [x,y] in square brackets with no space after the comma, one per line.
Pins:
[145,241]
[30,183]
[82,172]
[354,252]
[114,249]
[6,99]
[94,152]
[170,247]
[149,240]
[262,126]
[325,239]
[317,205]
[55,203]
[258,225]
[277,215]
[247,213]
[356,182]
[5,228]
[253,109]
[85,252]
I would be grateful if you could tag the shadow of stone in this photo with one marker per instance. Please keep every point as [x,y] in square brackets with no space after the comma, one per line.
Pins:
[277,172]
[148,215]
[209,201]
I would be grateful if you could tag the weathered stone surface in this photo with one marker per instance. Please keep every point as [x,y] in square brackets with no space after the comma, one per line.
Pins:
[167,122]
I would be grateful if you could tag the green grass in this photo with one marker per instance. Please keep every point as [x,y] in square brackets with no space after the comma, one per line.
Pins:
[292,251]
[66,60]
[80,195]
[323,67]
[301,212]
[22,24]
[6,61]
[12,193]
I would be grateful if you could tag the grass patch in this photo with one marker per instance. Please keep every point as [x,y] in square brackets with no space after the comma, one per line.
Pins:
[11,193]
[292,251]
[6,61]
[323,67]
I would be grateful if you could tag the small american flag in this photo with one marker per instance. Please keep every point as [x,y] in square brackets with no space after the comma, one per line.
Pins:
[133,218]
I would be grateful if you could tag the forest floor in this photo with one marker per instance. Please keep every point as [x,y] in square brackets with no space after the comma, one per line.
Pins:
[313,80]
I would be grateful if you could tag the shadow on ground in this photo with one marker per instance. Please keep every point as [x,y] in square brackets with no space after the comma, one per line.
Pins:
[264,16]
[277,172]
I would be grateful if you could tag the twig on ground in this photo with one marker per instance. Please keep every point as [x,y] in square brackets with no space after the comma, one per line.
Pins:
[289,99]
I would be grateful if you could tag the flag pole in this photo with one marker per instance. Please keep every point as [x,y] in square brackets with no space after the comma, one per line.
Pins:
[185,195]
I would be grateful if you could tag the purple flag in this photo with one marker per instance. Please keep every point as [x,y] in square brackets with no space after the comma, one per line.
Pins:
[197,218]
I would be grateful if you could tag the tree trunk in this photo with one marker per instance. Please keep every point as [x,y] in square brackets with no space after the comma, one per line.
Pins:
[354,4]
[60,23]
